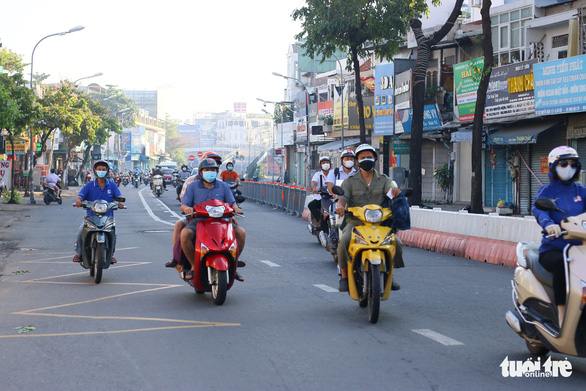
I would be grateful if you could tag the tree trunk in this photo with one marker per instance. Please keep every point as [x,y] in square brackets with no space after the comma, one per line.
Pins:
[476,190]
[424,46]
[359,102]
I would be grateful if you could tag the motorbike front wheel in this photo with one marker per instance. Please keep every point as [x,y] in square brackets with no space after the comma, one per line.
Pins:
[219,286]
[47,201]
[99,259]
[373,292]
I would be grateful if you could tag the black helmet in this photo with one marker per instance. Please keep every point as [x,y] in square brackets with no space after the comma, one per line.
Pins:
[208,163]
[184,165]
[229,162]
[101,163]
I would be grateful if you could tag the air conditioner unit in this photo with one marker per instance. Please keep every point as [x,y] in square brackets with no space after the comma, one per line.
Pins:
[476,3]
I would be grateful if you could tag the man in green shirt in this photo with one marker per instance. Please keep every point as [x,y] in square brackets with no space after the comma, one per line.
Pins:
[367,186]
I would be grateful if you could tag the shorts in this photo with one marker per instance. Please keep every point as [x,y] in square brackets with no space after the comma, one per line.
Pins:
[192,225]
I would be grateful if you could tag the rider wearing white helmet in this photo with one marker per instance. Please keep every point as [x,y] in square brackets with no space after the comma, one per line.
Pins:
[367,186]
[318,182]
[564,170]
[336,176]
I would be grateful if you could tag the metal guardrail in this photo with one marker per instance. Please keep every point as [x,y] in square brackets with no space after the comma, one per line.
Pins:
[289,198]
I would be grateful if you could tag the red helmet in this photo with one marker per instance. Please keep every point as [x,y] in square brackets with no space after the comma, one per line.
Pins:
[214,156]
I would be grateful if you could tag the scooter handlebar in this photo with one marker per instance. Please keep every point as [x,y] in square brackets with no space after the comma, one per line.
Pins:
[552,236]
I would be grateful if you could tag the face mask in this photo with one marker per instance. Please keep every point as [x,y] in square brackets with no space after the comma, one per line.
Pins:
[209,176]
[101,174]
[349,163]
[325,166]
[184,169]
[230,168]
[565,173]
[366,164]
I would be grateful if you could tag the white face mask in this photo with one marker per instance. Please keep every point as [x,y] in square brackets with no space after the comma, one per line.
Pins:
[349,163]
[565,173]
[325,166]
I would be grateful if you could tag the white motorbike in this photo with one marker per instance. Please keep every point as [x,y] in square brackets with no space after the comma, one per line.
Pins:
[535,318]
[157,185]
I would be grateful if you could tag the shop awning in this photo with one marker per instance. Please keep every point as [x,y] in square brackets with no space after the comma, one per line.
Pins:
[462,135]
[520,134]
[336,145]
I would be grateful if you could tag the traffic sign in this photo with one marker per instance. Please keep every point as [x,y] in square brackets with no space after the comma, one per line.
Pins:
[191,158]
[200,154]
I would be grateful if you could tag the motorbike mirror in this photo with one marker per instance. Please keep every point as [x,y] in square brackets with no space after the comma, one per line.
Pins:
[239,199]
[548,205]
[120,199]
[408,192]
[337,190]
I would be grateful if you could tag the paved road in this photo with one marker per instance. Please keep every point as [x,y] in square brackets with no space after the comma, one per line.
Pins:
[284,328]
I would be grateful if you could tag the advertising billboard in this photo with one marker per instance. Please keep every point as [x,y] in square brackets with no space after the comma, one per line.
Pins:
[466,80]
[384,94]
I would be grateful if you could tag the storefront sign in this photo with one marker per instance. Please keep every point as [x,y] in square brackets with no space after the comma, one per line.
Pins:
[384,93]
[576,126]
[431,118]
[510,90]
[403,90]
[338,109]
[20,147]
[560,86]
[466,79]
[401,147]
[5,172]
[325,109]
[354,123]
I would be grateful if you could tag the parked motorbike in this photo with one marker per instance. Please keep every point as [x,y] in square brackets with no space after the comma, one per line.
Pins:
[98,237]
[535,318]
[157,185]
[371,256]
[51,194]
[215,250]
[88,176]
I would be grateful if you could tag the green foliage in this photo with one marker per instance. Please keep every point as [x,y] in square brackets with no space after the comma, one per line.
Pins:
[11,197]
[173,143]
[444,177]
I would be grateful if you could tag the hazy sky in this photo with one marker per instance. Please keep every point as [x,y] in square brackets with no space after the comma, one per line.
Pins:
[209,53]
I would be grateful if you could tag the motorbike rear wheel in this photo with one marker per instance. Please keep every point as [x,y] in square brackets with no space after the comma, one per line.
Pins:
[219,286]
[47,201]
[59,201]
[373,292]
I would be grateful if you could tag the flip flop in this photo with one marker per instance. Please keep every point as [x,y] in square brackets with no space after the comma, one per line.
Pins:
[188,276]
[239,277]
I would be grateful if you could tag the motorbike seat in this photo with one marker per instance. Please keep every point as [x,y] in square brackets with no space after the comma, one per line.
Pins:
[538,270]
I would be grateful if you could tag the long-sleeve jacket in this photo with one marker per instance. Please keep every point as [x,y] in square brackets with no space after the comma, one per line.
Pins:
[569,197]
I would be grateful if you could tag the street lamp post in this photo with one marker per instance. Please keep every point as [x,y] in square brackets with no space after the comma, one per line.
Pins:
[88,77]
[282,146]
[342,95]
[308,155]
[30,129]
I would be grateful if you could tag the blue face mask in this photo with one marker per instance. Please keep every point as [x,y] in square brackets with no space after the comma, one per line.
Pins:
[101,174]
[209,176]
[230,168]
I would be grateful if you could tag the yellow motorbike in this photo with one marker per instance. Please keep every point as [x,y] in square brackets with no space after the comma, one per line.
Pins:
[370,257]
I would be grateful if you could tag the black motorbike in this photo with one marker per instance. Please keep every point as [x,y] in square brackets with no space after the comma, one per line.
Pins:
[233,185]
[98,237]
[315,227]
[51,194]
[136,179]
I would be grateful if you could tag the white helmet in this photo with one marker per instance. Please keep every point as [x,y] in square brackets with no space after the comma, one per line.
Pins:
[365,147]
[324,158]
[562,152]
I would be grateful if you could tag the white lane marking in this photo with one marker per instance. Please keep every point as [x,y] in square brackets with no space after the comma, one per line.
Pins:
[437,337]
[271,264]
[326,288]
[167,209]
[150,212]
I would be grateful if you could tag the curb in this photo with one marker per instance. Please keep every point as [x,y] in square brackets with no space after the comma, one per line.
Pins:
[497,252]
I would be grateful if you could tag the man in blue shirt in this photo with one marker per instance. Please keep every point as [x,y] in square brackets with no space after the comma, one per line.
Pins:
[98,189]
[204,189]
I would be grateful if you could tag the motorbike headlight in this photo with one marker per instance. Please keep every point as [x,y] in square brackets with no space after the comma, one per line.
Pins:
[215,211]
[373,215]
[100,208]
[359,240]
[387,241]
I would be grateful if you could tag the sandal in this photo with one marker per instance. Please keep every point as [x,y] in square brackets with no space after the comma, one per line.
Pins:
[113,261]
[171,263]
[77,258]
[239,277]
[188,276]
[241,263]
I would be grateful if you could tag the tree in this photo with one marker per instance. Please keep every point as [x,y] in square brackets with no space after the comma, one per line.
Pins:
[476,190]
[16,111]
[173,143]
[425,44]
[360,26]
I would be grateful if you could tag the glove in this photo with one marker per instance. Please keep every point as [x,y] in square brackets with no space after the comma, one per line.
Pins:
[554,229]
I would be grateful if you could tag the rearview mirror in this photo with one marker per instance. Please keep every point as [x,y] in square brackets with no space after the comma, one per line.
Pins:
[548,205]
[119,199]
[239,199]
[337,190]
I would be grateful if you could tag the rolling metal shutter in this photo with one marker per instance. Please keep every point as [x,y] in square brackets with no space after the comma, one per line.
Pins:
[498,184]
[546,141]
[433,156]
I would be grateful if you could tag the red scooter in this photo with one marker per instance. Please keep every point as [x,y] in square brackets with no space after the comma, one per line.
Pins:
[215,250]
